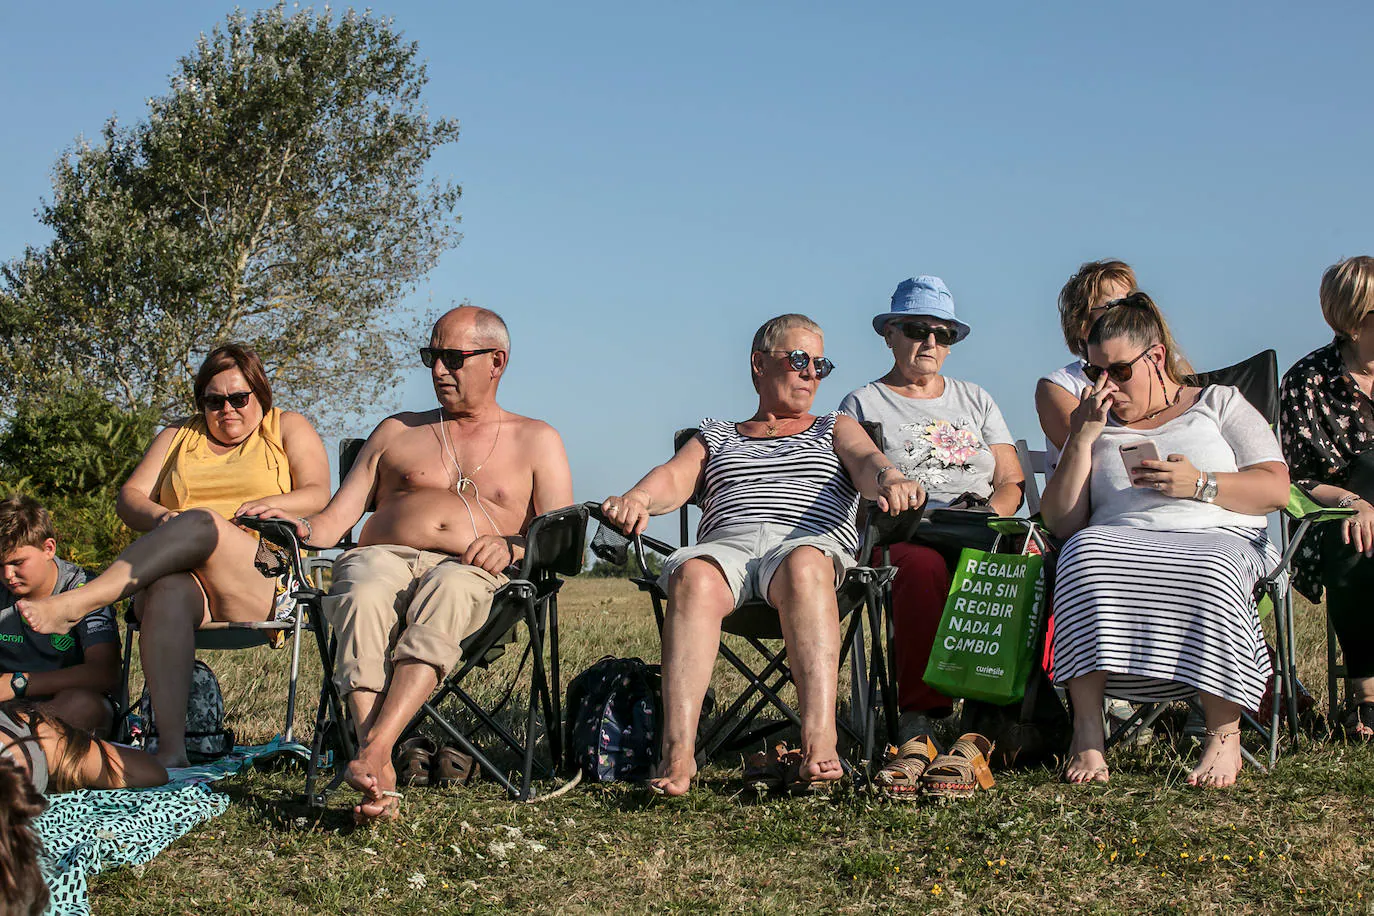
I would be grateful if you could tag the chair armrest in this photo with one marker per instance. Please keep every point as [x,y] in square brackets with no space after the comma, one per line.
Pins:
[555,543]
[611,545]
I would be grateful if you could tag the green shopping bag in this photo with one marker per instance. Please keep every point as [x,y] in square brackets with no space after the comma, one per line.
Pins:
[985,646]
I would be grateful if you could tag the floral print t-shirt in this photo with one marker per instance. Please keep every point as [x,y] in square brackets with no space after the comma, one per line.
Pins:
[1325,422]
[943,442]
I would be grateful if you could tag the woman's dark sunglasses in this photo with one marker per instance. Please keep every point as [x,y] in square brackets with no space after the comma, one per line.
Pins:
[215,402]
[1117,372]
[914,330]
[800,359]
[452,359]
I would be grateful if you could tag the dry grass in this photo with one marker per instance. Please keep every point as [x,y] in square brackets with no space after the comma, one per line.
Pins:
[1299,840]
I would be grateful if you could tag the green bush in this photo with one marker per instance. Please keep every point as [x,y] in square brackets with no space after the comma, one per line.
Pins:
[72,452]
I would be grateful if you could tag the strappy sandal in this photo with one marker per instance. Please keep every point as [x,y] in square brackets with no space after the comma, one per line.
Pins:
[413,761]
[959,773]
[452,767]
[766,771]
[900,777]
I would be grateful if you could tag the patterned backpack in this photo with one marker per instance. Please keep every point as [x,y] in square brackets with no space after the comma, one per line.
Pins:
[206,737]
[613,709]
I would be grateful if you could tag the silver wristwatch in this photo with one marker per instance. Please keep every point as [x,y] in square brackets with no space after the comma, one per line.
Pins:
[1206,491]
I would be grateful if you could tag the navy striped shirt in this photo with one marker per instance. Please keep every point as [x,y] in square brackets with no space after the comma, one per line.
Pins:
[787,480]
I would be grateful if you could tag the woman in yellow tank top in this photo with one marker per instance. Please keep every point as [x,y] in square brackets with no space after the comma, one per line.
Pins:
[194,564]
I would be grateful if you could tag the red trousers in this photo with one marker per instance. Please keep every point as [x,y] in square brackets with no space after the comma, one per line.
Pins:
[918,601]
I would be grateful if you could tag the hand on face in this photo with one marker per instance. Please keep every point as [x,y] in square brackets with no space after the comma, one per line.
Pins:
[1089,418]
[1176,476]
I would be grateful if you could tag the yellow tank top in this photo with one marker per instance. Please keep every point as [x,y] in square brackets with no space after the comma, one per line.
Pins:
[194,477]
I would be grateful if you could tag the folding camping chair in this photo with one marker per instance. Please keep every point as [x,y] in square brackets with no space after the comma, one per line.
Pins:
[555,544]
[756,623]
[1257,378]
[221,636]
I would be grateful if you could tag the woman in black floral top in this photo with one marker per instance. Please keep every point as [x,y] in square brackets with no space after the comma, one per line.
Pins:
[1328,439]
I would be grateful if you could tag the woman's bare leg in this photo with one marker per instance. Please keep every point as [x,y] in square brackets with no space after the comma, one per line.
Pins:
[1087,754]
[225,586]
[698,600]
[182,544]
[168,613]
[803,591]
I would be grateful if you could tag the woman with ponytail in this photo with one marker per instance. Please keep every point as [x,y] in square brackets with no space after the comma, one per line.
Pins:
[1162,491]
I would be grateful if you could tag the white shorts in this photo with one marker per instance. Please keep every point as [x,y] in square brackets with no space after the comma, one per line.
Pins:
[749,556]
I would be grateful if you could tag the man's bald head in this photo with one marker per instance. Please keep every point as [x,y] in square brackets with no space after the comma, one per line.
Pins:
[482,327]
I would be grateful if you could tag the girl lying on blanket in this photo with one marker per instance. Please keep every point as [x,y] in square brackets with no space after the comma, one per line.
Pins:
[22,891]
[60,758]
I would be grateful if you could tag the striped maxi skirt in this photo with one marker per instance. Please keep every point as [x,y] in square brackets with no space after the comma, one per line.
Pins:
[1164,613]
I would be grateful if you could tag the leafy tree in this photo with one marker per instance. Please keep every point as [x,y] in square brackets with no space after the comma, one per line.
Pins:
[275,195]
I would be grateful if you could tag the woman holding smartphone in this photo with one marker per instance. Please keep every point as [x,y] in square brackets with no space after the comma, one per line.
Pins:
[1154,589]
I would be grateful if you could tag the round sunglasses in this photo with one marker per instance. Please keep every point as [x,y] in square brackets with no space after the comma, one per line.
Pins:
[800,359]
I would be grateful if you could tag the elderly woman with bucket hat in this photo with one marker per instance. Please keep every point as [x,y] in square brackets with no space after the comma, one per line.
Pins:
[948,434]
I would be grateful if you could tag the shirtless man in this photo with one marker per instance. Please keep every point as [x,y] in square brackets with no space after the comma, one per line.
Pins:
[455,490]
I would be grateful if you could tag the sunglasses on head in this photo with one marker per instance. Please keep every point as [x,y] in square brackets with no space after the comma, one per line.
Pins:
[452,359]
[215,402]
[1117,372]
[916,330]
[800,359]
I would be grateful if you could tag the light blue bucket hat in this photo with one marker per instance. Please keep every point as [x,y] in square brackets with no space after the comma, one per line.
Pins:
[925,296]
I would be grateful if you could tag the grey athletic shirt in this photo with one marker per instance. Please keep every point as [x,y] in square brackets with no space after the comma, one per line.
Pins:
[943,442]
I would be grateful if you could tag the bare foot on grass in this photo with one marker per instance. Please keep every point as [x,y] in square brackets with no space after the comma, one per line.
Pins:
[1220,763]
[55,614]
[1087,761]
[674,778]
[374,776]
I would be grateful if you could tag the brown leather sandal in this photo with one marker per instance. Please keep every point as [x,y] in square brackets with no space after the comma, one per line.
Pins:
[413,759]
[962,771]
[451,767]
[766,771]
[900,777]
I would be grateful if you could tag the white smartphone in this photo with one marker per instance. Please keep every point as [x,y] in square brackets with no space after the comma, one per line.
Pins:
[1132,454]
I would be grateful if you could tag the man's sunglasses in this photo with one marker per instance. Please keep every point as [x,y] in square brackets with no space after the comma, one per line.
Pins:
[1117,372]
[452,359]
[914,330]
[800,359]
[215,402]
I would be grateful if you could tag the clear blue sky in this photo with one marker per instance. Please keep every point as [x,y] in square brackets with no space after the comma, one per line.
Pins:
[645,184]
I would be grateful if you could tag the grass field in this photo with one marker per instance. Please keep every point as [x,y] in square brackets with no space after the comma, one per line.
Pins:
[1299,840]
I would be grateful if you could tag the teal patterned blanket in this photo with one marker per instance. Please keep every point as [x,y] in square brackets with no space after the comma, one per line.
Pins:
[87,831]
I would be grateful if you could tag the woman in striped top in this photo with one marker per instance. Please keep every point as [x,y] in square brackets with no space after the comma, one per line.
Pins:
[1154,590]
[779,493]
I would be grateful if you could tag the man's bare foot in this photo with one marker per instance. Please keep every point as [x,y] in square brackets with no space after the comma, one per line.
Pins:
[674,778]
[375,777]
[55,614]
[1221,760]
